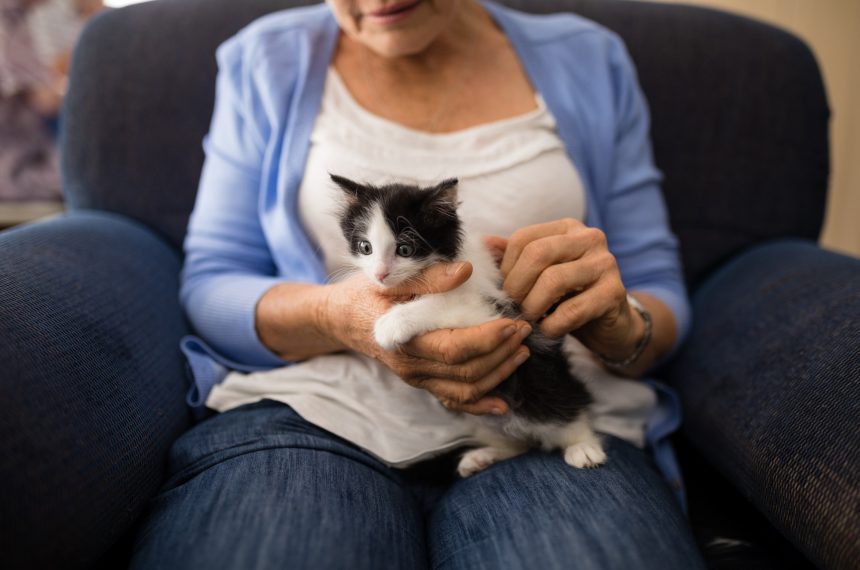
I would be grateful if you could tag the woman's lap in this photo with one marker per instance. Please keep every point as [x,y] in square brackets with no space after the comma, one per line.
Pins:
[535,511]
[259,487]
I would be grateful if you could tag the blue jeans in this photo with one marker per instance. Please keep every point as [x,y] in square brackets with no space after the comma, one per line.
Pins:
[259,487]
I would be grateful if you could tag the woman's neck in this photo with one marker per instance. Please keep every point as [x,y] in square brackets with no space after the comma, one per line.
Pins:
[468,75]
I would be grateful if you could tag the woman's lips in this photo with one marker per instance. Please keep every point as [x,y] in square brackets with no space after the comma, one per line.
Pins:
[393,13]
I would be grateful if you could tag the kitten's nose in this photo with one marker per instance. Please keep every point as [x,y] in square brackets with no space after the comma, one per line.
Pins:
[381,275]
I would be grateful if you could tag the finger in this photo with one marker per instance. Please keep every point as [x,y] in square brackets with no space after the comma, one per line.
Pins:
[580,310]
[477,368]
[486,405]
[456,346]
[557,282]
[536,257]
[456,394]
[438,278]
[522,237]
[497,246]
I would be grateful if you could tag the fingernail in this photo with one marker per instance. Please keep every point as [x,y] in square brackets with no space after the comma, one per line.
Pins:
[521,357]
[509,331]
[525,331]
[454,268]
[497,411]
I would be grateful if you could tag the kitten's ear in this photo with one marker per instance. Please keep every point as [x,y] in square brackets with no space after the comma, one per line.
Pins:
[352,189]
[444,194]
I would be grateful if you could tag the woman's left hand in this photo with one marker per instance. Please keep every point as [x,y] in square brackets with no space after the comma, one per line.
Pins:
[564,277]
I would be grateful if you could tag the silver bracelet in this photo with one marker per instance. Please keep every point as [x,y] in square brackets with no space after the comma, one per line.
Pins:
[640,346]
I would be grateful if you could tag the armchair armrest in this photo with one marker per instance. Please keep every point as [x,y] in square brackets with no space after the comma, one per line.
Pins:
[91,383]
[770,384]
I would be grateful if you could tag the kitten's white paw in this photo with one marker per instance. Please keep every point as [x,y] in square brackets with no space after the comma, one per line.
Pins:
[585,454]
[479,459]
[391,330]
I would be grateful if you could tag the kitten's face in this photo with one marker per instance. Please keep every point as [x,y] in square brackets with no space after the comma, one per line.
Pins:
[396,231]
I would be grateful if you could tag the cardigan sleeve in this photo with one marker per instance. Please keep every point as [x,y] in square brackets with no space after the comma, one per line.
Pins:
[635,217]
[228,265]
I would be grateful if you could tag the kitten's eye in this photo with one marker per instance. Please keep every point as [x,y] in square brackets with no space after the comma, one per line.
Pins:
[405,250]
[364,247]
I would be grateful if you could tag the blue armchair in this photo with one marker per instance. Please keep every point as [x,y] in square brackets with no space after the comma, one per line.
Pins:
[91,378]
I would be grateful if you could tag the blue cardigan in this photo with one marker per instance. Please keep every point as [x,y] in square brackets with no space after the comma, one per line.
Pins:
[245,234]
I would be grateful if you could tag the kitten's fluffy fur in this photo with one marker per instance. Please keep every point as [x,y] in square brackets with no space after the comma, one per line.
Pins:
[394,232]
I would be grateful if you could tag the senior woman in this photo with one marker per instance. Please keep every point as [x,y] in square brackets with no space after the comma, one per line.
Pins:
[332,452]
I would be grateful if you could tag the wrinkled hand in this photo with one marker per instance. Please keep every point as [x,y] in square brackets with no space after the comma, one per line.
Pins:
[564,277]
[458,366]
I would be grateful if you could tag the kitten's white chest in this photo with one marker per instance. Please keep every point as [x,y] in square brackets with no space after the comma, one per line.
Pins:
[473,303]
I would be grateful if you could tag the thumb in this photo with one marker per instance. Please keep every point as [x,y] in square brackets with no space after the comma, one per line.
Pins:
[437,278]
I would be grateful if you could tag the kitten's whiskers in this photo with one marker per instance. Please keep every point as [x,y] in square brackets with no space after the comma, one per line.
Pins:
[341,273]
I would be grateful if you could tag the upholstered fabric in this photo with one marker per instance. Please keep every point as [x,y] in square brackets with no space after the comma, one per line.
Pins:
[770,382]
[91,384]
[140,102]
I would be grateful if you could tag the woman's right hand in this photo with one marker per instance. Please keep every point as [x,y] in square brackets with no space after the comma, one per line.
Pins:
[458,366]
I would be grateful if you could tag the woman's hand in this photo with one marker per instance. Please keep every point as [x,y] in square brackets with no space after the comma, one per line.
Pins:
[562,275]
[458,366]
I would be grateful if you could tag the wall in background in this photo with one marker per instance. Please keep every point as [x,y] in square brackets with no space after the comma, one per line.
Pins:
[832,29]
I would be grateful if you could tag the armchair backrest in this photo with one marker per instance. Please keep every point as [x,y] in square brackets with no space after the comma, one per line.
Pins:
[739,116]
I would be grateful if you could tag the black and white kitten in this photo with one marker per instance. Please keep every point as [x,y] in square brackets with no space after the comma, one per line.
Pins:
[397,230]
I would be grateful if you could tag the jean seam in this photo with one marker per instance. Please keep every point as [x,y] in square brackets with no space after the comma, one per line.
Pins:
[195,468]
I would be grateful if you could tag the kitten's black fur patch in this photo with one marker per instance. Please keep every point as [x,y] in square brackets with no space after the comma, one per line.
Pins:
[425,218]
[543,389]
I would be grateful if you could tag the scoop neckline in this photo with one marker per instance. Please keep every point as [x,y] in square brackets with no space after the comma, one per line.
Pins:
[526,117]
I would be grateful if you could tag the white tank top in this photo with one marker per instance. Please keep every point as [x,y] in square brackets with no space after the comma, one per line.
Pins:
[512,173]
